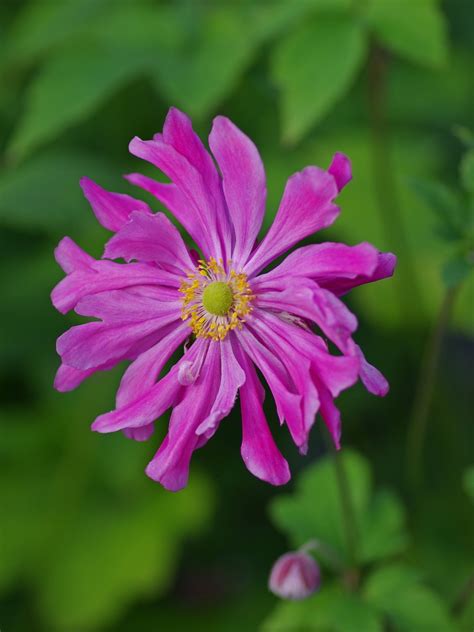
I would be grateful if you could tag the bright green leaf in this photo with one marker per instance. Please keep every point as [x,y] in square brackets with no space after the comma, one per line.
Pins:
[314,511]
[413,29]
[68,89]
[396,591]
[331,610]
[314,66]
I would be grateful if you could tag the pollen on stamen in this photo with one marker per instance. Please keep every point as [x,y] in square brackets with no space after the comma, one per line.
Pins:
[215,300]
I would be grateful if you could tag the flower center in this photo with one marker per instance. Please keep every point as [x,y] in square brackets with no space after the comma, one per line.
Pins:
[215,300]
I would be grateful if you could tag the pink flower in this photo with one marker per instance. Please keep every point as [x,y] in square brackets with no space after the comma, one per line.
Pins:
[295,575]
[234,318]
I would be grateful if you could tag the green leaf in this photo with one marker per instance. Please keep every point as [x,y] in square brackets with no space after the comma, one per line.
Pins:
[415,30]
[43,193]
[445,203]
[468,482]
[86,544]
[456,269]
[395,590]
[69,87]
[467,171]
[314,66]
[43,24]
[314,511]
[331,610]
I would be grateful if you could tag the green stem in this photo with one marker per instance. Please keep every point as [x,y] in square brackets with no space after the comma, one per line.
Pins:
[348,516]
[425,388]
[385,185]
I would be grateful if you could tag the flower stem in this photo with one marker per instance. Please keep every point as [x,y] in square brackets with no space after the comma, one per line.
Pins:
[351,575]
[385,185]
[425,388]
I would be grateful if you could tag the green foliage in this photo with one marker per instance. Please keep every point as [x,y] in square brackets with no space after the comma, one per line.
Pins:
[314,66]
[396,591]
[114,537]
[468,482]
[415,30]
[331,610]
[315,511]
[467,171]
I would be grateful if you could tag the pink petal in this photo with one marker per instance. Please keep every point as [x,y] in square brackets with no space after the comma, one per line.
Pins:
[372,378]
[68,378]
[324,263]
[150,238]
[139,434]
[111,209]
[231,379]
[170,465]
[287,400]
[259,451]
[305,208]
[107,275]
[385,267]
[142,374]
[71,257]
[340,169]
[243,182]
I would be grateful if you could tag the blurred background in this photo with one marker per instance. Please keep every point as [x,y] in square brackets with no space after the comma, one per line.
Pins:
[87,542]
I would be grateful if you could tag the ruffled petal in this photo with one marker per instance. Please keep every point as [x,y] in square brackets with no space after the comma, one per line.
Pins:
[385,267]
[373,380]
[243,182]
[142,374]
[101,276]
[259,452]
[150,238]
[231,379]
[305,208]
[288,401]
[139,434]
[170,465]
[71,257]
[111,209]
[324,263]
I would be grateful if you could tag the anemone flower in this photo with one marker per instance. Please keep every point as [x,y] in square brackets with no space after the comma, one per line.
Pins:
[223,302]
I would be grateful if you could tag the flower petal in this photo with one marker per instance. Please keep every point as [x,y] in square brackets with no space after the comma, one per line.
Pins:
[150,238]
[142,374]
[372,378]
[170,465]
[340,169]
[139,434]
[120,307]
[243,182]
[385,267]
[305,208]
[111,209]
[71,257]
[324,263]
[259,452]
[231,379]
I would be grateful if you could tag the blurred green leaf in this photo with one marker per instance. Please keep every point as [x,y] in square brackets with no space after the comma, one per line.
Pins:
[331,610]
[314,511]
[456,269]
[446,205]
[467,171]
[395,591]
[42,24]
[44,193]
[90,547]
[468,482]
[68,88]
[415,30]
[313,67]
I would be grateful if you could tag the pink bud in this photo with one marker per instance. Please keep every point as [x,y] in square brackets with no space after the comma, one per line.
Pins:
[294,575]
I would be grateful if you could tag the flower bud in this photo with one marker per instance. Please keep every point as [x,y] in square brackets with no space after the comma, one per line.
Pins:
[294,575]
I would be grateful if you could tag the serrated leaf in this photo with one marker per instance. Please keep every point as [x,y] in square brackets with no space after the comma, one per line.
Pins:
[378,519]
[331,610]
[396,591]
[313,67]
[467,171]
[415,30]
[69,87]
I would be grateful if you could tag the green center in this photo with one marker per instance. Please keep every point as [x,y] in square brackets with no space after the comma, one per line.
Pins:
[217,298]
